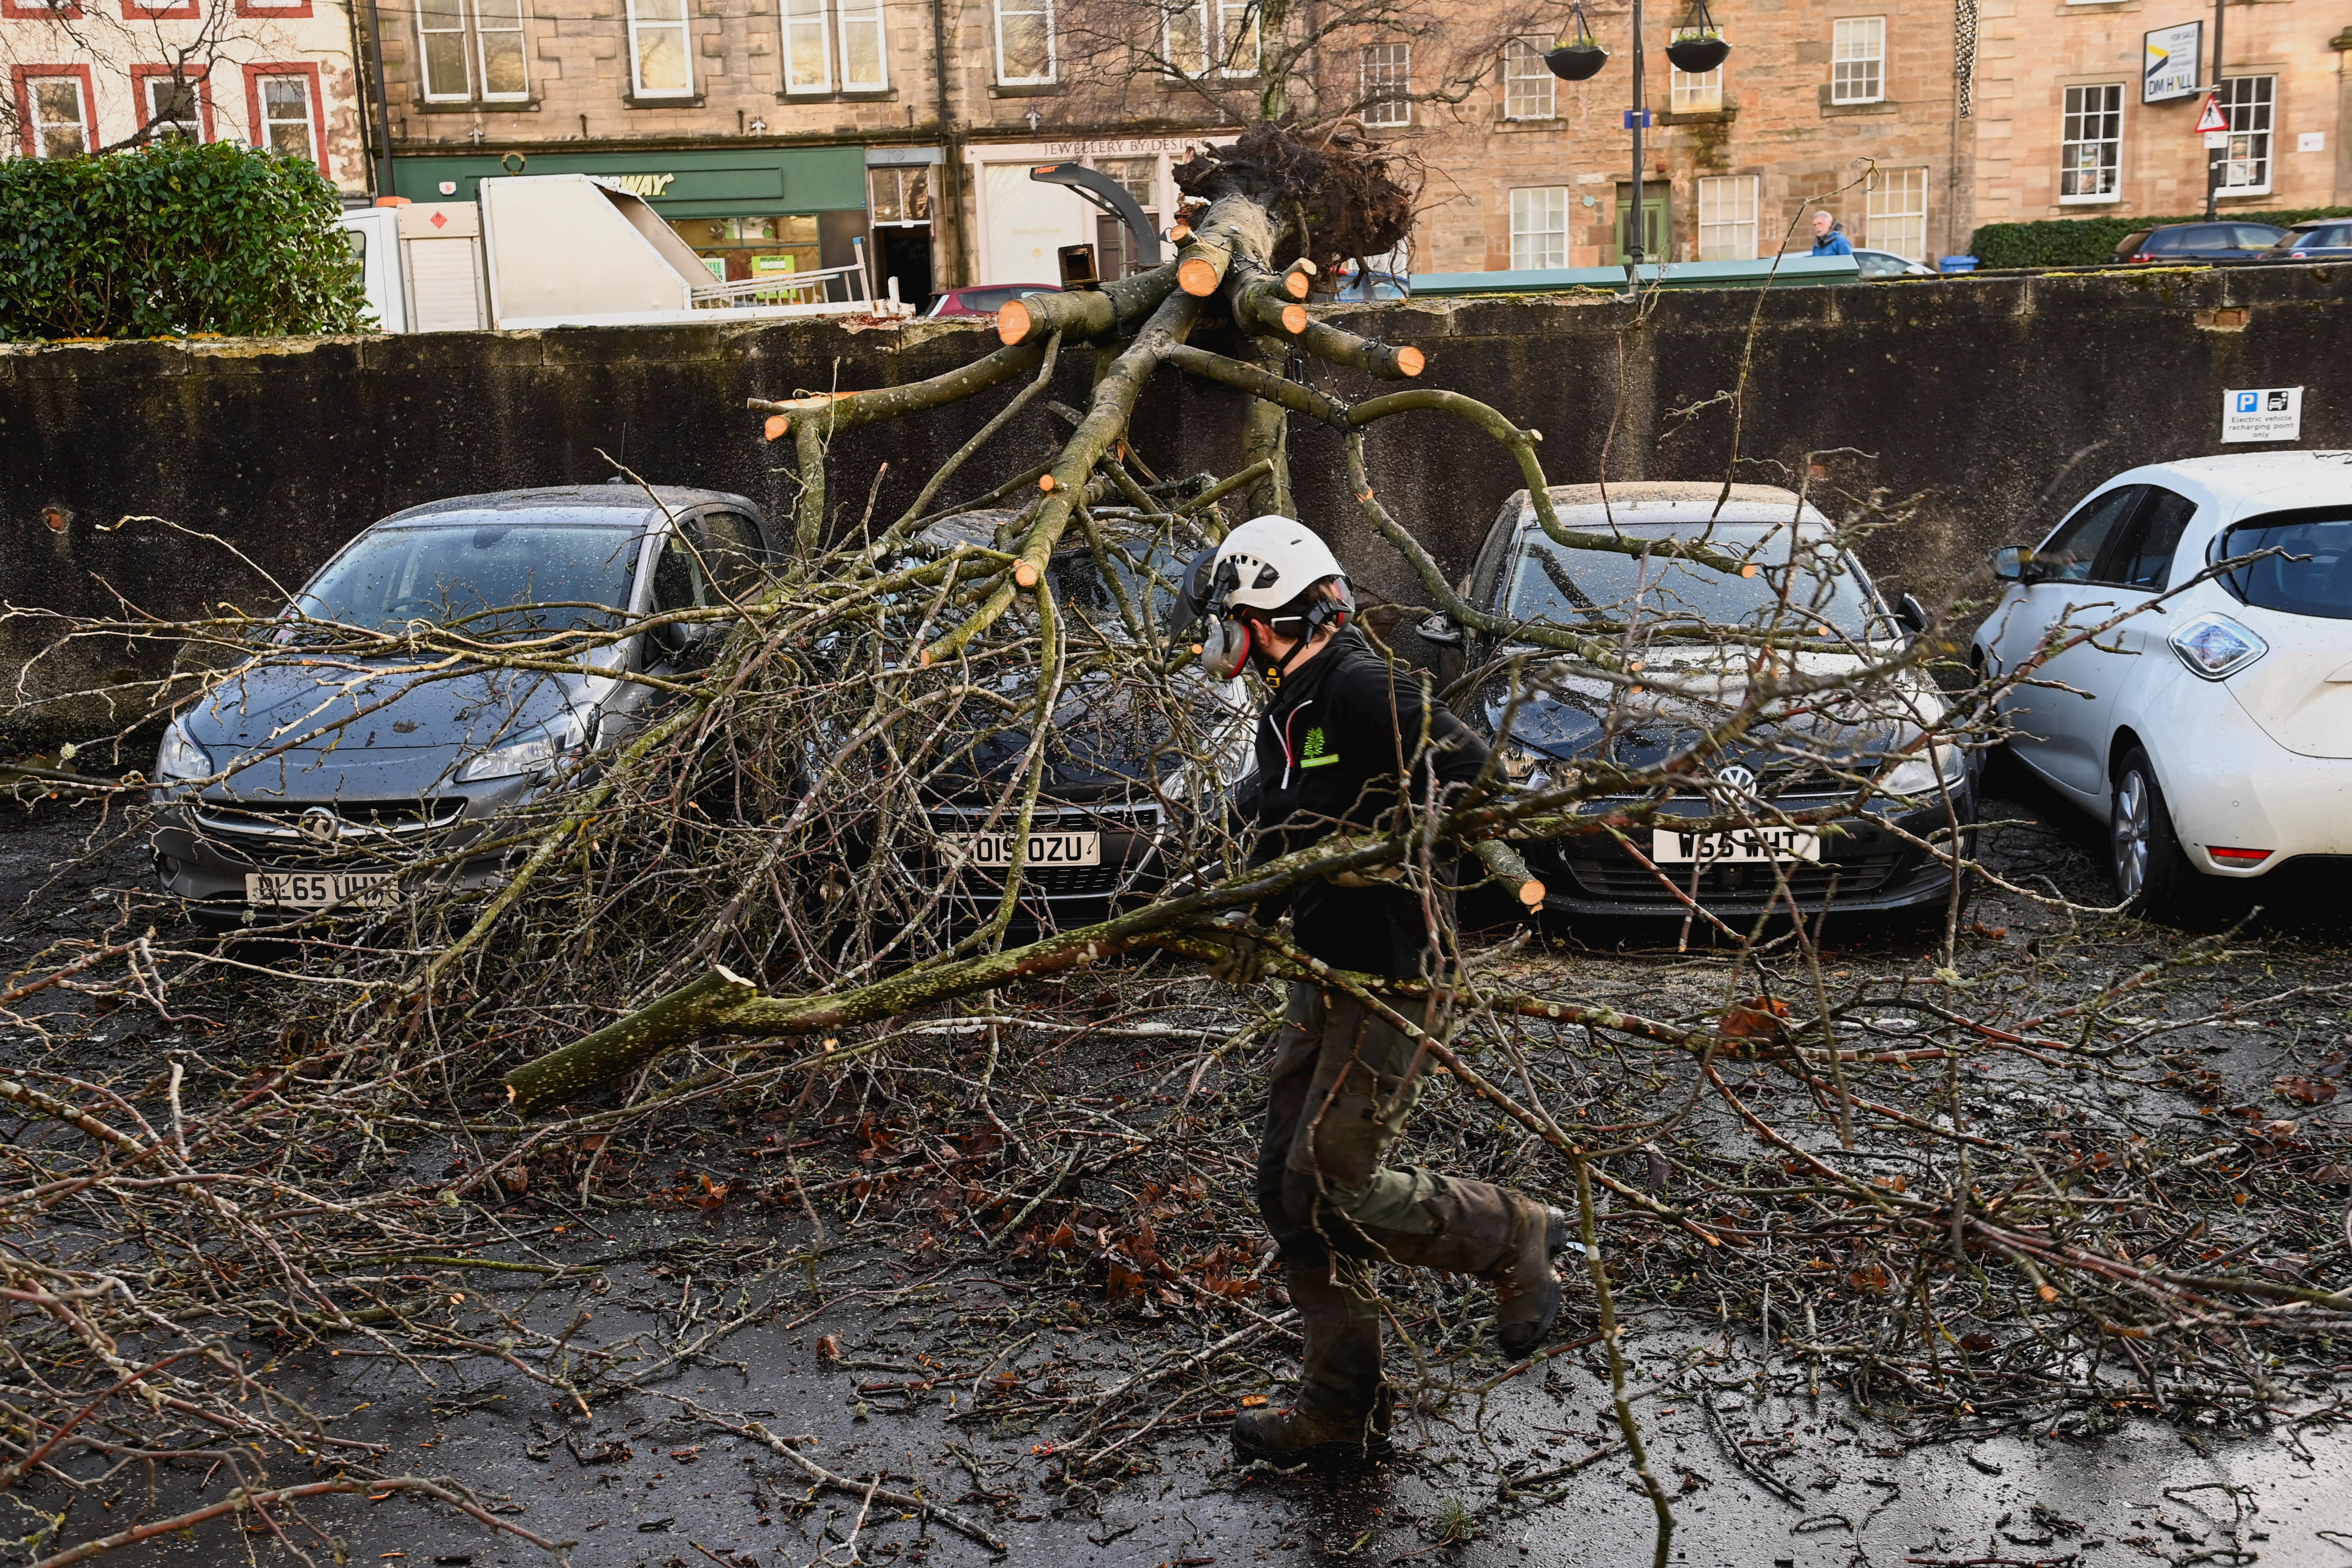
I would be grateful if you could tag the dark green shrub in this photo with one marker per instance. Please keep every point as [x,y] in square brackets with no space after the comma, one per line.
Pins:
[171,239]
[2090,241]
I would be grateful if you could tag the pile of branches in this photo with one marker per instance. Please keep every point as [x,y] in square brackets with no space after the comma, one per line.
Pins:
[763,901]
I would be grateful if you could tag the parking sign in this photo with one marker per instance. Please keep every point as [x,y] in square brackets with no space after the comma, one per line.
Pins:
[2261,414]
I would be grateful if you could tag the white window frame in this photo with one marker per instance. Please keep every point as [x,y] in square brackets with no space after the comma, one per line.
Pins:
[2073,110]
[1540,228]
[41,126]
[271,121]
[1694,92]
[1523,63]
[425,35]
[2262,105]
[1385,112]
[1052,42]
[1729,210]
[850,17]
[1889,202]
[797,18]
[484,31]
[1222,33]
[149,110]
[684,27]
[1859,43]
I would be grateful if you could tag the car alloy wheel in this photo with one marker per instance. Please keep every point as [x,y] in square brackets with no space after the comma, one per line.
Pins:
[2129,835]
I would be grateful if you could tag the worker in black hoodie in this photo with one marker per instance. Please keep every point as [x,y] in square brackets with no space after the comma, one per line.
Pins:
[1350,744]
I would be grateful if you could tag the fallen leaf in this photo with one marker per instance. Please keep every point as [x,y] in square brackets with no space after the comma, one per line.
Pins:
[829,1347]
[1252,1401]
[2307,1091]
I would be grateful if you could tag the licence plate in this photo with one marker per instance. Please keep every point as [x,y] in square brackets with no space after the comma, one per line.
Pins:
[995,850]
[1740,846]
[318,889]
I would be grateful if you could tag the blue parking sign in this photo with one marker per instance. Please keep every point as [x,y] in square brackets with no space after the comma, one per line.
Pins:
[2249,402]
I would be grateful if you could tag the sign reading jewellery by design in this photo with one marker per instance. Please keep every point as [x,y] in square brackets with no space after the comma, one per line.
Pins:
[2169,59]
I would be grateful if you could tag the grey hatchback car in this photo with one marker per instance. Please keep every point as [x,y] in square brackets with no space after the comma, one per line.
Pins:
[313,773]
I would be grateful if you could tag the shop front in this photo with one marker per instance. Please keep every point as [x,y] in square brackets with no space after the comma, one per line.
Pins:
[748,212]
[1023,223]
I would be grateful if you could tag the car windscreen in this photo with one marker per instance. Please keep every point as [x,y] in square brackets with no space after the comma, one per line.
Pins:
[2312,574]
[1820,595]
[1081,588]
[495,578]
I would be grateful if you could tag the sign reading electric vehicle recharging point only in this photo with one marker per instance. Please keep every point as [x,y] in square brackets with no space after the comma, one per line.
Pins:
[2262,414]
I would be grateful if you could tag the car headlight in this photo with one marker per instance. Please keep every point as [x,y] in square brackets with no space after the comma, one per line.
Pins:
[181,758]
[2216,648]
[1942,768]
[1524,767]
[535,750]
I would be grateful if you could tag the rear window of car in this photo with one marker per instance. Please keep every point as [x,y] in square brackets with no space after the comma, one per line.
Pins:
[2255,237]
[2312,572]
[2165,239]
[2325,235]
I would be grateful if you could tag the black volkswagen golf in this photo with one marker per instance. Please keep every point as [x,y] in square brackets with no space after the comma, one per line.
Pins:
[1697,626]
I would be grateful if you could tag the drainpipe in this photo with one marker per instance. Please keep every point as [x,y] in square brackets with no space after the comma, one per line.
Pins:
[384,186]
[2342,44]
[948,200]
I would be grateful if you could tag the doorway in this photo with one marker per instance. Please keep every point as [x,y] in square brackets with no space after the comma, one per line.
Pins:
[1654,233]
[904,253]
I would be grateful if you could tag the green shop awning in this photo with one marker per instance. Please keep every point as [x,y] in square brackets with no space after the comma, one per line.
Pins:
[732,182]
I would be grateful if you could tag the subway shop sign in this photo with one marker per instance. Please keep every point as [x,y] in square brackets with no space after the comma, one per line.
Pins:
[751,182]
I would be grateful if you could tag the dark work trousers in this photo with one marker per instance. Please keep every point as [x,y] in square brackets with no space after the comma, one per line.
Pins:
[1336,1211]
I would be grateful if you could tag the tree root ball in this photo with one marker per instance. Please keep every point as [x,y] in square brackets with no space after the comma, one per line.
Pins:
[1337,181]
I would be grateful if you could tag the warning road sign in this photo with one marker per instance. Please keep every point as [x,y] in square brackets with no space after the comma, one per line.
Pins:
[2209,117]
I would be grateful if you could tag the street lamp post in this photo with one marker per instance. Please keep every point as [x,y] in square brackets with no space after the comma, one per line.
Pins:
[2216,158]
[1698,48]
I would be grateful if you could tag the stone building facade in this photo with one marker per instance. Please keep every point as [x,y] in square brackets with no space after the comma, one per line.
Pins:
[87,75]
[2076,113]
[1847,107]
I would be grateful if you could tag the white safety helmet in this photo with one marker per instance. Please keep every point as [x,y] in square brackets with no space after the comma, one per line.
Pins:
[1265,564]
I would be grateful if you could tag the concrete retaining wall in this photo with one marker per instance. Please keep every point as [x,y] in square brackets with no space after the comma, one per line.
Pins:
[1982,409]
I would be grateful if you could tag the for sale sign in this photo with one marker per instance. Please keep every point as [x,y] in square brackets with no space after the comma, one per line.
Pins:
[2168,62]
[2262,414]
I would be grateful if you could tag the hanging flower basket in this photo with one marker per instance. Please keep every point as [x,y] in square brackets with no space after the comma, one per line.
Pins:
[1697,50]
[1578,60]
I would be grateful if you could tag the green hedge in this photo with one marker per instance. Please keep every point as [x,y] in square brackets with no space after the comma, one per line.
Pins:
[2088,241]
[172,239]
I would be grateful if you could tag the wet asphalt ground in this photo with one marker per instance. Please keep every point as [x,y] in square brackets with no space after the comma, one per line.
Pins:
[868,1356]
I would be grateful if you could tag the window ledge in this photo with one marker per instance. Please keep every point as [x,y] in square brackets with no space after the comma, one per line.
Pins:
[2106,200]
[1027,89]
[1528,122]
[666,100]
[1698,117]
[848,95]
[1874,106]
[2243,194]
[474,106]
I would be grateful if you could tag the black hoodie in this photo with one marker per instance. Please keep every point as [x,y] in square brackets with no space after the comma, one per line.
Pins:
[1338,737]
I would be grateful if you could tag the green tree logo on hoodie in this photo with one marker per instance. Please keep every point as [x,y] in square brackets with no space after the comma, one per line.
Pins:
[1315,756]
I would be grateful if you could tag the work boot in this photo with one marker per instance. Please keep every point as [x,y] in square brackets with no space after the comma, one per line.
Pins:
[1295,1433]
[1499,1237]
[1527,1294]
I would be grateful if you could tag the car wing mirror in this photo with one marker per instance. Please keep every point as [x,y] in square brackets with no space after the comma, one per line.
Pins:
[2013,564]
[1441,630]
[1911,614]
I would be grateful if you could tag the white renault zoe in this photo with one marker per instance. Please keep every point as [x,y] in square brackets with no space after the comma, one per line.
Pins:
[2212,730]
